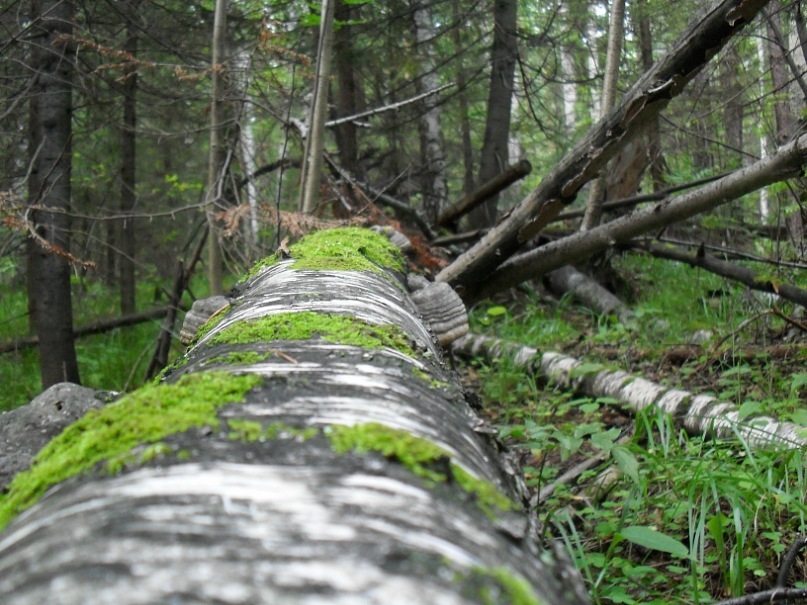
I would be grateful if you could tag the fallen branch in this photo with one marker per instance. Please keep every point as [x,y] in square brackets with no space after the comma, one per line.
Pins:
[731,271]
[640,105]
[97,327]
[494,186]
[698,414]
[785,163]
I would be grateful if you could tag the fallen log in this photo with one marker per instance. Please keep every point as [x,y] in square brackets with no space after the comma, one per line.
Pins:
[787,162]
[697,414]
[719,21]
[311,446]
[98,326]
[732,271]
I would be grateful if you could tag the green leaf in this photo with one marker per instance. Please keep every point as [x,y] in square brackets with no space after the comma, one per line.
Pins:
[654,540]
[626,462]
[799,416]
[748,408]
[497,311]
[799,381]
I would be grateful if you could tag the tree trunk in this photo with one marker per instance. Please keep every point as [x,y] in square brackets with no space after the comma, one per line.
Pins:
[434,185]
[49,299]
[128,172]
[645,35]
[346,59]
[311,447]
[616,32]
[468,181]
[217,158]
[495,148]
[788,162]
[315,141]
[669,76]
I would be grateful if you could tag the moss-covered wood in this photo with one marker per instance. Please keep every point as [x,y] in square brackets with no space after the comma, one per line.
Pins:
[312,445]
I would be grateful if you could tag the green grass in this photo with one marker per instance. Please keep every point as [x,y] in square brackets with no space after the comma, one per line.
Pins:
[116,360]
[685,519]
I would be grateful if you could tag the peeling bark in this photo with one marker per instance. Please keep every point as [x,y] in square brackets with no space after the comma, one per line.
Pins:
[668,77]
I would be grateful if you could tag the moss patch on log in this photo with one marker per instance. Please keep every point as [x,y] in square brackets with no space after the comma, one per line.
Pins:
[500,586]
[110,433]
[424,458]
[341,249]
[251,430]
[306,325]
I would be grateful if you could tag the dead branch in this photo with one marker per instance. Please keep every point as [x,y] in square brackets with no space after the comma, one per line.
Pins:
[731,271]
[648,97]
[785,163]
[495,185]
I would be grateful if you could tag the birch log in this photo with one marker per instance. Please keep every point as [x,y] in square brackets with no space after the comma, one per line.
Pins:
[698,414]
[311,447]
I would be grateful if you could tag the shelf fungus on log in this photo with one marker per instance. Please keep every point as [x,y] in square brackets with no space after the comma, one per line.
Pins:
[310,447]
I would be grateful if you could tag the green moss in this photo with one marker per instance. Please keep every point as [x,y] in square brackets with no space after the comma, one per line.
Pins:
[426,377]
[245,430]
[145,416]
[241,357]
[510,588]
[341,249]
[212,322]
[250,430]
[306,325]
[419,455]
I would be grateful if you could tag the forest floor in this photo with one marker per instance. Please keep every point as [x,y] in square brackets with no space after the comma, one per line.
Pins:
[650,513]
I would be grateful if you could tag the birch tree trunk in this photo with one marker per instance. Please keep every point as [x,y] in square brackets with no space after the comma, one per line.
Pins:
[434,183]
[312,446]
[698,414]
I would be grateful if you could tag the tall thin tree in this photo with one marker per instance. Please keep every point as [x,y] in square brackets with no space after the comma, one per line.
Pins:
[49,298]
[315,141]
[497,125]
[128,171]
[217,157]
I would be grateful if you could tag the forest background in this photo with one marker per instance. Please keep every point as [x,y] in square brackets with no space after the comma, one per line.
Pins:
[442,96]
[146,145]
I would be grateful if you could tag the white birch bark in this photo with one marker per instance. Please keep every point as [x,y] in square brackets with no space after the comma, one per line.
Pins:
[248,152]
[568,88]
[764,198]
[435,189]
[698,414]
[287,518]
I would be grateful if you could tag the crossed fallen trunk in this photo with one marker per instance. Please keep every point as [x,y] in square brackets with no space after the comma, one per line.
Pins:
[311,446]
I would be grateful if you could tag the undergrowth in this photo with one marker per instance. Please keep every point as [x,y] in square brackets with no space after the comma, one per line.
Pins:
[115,360]
[659,516]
